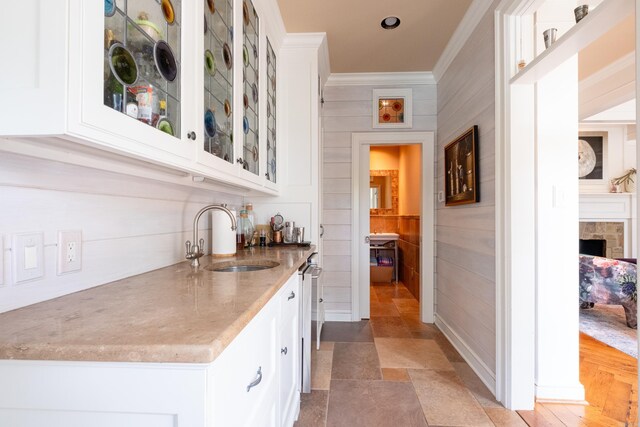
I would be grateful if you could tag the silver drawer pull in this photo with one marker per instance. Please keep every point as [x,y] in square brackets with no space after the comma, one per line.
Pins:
[283,351]
[292,296]
[321,300]
[256,381]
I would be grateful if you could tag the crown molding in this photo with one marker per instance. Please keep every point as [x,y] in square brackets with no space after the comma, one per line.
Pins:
[381,79]
[467,25]
[304,40]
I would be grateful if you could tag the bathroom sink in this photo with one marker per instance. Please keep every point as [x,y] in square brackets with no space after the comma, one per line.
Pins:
[377,237]
[241,266]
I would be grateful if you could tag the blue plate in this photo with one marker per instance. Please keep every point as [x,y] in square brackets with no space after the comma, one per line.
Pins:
[109,7]
[210,123]
[245,125]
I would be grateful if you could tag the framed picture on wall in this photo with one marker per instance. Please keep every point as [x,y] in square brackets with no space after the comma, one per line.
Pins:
[592,149]
[461,183]
[392,108]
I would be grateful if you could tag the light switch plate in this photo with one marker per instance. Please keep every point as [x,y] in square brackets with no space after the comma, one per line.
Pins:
[28,256]
[69,251]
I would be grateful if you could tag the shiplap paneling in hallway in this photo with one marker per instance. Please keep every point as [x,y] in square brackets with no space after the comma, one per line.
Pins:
[465,236]
[348,109]
[129,225]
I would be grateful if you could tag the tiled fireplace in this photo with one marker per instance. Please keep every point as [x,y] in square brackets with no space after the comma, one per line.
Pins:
[611,217]
[612,232]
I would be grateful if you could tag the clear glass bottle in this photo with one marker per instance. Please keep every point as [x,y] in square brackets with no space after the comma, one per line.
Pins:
[246,229]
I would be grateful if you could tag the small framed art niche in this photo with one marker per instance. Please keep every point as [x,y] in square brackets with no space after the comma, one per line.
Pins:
[392,108]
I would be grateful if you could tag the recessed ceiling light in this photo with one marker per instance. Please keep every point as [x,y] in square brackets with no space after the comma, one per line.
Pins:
[390,22]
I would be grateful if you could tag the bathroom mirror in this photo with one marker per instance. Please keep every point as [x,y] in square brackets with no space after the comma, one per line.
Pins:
[383,192]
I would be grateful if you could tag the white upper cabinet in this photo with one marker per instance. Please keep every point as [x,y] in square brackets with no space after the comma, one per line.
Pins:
[173,82]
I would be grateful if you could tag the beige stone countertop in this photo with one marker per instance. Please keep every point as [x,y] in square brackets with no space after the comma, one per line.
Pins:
[173,314]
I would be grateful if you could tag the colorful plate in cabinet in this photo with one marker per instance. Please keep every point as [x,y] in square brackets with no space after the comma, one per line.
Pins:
[245,56]
[227,108]
[255,153]
[210,123]
[211,5]
[122,64]
[165,126]
[209,62]
[168,11]
[165,61]
[245,101]
[254,92]
[396,106]
[109,8]
[245,13]
[273,166]
[245,125]
[228,58]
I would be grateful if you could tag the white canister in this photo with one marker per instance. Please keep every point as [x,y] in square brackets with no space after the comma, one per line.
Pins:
[223,238]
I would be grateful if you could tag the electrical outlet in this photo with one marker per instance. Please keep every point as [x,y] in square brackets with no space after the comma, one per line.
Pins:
[69,251]
[28,256]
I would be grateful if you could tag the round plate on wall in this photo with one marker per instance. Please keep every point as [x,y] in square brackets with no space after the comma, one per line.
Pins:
[209,62]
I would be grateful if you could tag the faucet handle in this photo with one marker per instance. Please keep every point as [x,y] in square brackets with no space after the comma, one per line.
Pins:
[188,245]
[201,245]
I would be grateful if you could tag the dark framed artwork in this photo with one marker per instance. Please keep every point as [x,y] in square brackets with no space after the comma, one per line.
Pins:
[591,150]
[461,169]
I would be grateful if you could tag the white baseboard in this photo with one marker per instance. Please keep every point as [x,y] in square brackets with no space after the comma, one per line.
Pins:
[563,394]
[336,316]
[479,367]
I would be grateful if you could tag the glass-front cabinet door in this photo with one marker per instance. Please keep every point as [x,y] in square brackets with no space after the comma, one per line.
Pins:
[251,89]
[218,79]
[130,86]
[271,164]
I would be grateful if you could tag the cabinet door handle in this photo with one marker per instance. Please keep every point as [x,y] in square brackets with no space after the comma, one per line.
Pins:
[321,230]
[239,160]
[292,296]
[191,135]
[283,351]
[321,300]
[256,381]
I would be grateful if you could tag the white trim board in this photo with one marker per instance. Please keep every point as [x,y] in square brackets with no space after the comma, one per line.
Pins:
[427,214]
[472,359]
[381,79]
[465,28]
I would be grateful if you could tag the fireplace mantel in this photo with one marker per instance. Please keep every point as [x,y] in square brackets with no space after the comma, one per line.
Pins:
[612,207]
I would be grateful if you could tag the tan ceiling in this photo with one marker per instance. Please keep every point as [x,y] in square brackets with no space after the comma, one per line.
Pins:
[613,45]
[357,43]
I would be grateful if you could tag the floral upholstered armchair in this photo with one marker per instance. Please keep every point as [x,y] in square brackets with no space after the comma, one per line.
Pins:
[609,281]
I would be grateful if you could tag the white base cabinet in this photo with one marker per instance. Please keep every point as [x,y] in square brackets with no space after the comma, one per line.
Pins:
[252,383]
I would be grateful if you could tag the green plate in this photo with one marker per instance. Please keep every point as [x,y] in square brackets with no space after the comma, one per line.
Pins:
[122,64]
[209,62]
[165,126]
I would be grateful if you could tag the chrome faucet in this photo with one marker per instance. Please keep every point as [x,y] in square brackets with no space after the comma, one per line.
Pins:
[196,251]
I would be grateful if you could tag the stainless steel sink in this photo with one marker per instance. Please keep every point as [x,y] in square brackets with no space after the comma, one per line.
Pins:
[241,266]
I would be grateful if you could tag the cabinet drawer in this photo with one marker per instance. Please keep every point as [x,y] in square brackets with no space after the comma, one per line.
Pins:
[243,377]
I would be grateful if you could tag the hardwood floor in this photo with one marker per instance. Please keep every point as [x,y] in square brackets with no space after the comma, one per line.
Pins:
[362,366]
[610,379]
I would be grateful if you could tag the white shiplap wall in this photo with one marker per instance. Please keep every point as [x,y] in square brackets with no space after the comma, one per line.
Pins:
[129,225]
[465,235]
[348,109]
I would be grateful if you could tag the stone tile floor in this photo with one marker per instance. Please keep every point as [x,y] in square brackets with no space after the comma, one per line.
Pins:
[394,370]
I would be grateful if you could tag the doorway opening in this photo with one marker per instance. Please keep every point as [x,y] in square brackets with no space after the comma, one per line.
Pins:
[395,195]
[393,224]
[537,232]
